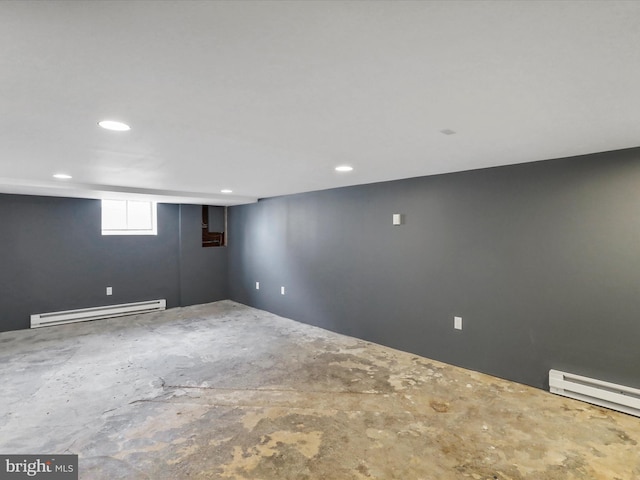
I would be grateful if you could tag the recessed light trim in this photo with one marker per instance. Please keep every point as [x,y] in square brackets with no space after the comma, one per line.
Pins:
[113,125]
[226,190]
[62,176]
[344,168]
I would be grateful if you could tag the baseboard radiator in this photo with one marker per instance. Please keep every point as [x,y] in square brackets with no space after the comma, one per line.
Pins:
[616,397]
[96,313]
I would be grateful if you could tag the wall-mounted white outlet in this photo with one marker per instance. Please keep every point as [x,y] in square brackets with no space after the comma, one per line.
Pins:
[109,290]
[257,285]
[397,219]
[457,323]
[282,290]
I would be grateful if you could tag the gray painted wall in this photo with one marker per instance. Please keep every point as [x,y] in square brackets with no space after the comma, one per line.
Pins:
[203,271]
[542,261]
[53,257]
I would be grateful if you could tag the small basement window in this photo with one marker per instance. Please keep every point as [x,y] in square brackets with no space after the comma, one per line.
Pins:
[129,217]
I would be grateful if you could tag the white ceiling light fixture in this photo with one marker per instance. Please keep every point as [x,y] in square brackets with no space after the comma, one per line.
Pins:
[344,168]
[62,176]
[226,190]
[113,125]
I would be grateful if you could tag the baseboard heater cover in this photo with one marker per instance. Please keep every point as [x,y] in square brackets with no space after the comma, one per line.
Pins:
[96,313]
[616,397]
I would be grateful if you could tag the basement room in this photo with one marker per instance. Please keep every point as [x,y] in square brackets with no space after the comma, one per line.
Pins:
[320,240]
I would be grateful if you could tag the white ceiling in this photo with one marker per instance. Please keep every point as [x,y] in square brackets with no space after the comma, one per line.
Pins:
[267,97]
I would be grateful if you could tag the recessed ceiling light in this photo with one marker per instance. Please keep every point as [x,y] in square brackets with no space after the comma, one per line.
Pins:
[62,176]
[113,125]
[226,190]
[344,168]
[447,131]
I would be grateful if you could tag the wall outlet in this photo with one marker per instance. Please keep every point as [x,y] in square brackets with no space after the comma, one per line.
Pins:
[397,219]
[282,290]
[457,323]
[257,285]
[109,290]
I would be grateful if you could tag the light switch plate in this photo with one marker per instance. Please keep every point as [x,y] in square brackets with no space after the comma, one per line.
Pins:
[457,323]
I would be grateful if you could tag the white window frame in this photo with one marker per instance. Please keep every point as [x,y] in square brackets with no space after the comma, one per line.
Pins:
[153,212]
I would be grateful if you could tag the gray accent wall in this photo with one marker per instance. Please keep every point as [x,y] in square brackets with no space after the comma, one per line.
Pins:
[53,257]
[541,260]
[203,271]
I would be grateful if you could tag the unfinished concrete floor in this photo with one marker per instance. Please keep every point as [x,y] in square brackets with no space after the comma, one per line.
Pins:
[224,391]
